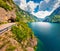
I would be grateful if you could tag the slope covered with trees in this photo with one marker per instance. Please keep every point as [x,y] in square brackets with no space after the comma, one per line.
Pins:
[54,17]
[25,16]
[6,4]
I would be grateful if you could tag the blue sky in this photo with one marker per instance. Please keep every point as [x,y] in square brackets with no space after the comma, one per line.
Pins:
[39,8]
[36,1]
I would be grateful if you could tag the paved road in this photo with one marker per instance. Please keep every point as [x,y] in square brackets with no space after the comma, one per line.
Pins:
[5,27]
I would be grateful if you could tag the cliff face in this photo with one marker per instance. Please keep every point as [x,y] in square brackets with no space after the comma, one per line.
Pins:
[7,10]
[20,37]
[6,15]
[54,17]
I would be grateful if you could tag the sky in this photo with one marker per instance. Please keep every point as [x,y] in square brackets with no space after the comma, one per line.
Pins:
[39,8]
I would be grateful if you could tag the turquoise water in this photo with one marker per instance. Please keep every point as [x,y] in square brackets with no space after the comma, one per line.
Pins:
[48,35]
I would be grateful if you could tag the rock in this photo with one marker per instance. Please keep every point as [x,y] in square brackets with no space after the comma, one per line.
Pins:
[33,42]
[29,49]
[6,15]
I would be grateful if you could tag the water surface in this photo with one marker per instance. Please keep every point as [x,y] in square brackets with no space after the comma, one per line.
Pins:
[48,34]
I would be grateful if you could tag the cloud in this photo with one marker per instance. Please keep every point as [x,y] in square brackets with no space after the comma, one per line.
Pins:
[17,2]
[47,4]
[44,13]
[31,6]
[46,1]
[41,14]
[46,7]
[23,4]
[43,6]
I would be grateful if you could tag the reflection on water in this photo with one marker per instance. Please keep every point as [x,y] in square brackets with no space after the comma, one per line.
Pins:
[44,24]
[49,34]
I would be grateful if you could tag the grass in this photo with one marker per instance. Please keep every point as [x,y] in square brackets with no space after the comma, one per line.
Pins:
[22,31]
[5,5]
[10,48]
[3,23]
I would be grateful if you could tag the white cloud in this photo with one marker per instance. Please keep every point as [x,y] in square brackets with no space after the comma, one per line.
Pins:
[31,6]
[57,4]
[46,1]
[41,14]
[23,4]
[59,0]
[17,2]
[43,6]
[47,4]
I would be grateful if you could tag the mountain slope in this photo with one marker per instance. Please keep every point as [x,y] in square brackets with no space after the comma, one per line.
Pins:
[25,16]
[20,37]
[10,10]
[54,17]
[7,10]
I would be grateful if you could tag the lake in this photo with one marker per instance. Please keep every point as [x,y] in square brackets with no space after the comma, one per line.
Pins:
[48,35]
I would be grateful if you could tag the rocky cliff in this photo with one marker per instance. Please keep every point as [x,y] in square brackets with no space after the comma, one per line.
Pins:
[20,37]
[7,10]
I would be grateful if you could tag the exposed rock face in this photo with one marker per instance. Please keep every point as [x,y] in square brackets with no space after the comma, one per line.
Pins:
[6,40]
[30,49]
[33,42]
[5,15]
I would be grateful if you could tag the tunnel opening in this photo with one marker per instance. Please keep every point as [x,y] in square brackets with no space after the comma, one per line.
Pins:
[11,20]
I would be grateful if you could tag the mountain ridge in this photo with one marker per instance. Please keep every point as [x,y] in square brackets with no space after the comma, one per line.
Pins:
[55,15]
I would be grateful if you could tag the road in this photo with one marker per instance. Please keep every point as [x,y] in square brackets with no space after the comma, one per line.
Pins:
[5,27]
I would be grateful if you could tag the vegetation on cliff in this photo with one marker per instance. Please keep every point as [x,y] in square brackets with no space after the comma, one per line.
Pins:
[20,37]
[56,18]
[4,4]
[24,16]
[24,35]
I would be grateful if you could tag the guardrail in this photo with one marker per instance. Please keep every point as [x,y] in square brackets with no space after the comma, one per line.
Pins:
[6,29]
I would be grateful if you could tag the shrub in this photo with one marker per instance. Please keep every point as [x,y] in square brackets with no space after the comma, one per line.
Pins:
[5,5]
[22,31]
[11,48]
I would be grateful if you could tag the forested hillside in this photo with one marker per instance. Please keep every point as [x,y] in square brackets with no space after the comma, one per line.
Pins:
[54,17]
[25,16]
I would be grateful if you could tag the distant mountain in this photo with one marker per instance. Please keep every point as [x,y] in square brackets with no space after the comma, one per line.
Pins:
[56,12]
[26,16]
[9,8]
[54,17]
